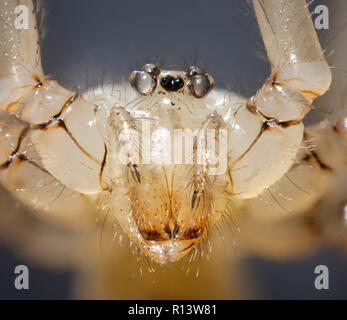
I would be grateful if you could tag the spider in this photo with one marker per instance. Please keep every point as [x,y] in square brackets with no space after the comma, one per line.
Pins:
[118,147]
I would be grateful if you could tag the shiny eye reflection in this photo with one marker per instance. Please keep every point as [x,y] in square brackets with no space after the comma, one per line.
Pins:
[199,82]
[143,82]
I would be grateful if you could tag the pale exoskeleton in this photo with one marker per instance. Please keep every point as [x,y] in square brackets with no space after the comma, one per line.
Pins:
[59,143]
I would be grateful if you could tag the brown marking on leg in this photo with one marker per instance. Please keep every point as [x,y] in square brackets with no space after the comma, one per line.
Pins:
[55,118]
[10,160]
[288,123]
[61,124]
[263,128]
[37,78]
[102,170]
[39,82]
[284,124]
[273,79]
[21,156]
[14,154]
[55,122]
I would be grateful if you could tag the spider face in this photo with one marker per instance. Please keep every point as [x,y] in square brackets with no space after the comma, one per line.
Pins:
[169,191]
[150,79]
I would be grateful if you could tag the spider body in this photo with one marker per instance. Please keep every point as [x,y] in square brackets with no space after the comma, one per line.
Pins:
[170,153]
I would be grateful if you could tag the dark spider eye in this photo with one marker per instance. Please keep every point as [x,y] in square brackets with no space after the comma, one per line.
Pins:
[143,82]
[199,82]
[171,83]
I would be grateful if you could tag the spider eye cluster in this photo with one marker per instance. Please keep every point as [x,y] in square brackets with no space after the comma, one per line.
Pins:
[145,81]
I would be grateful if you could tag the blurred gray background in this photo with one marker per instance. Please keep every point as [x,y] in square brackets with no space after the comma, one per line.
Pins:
[88,39]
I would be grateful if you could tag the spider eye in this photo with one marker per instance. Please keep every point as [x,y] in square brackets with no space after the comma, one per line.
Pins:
[171,83]
[145,81]
[199,82]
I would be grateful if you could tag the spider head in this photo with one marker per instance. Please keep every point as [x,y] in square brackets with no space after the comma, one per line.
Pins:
[151,80]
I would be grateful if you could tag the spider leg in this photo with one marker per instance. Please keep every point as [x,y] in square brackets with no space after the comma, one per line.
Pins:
[49,135]
[267,131]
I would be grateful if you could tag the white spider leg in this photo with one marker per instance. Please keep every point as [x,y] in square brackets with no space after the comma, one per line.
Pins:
[267,132]
[60,126]
[304,209]
[319,162]
[323,158]
[292,46]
